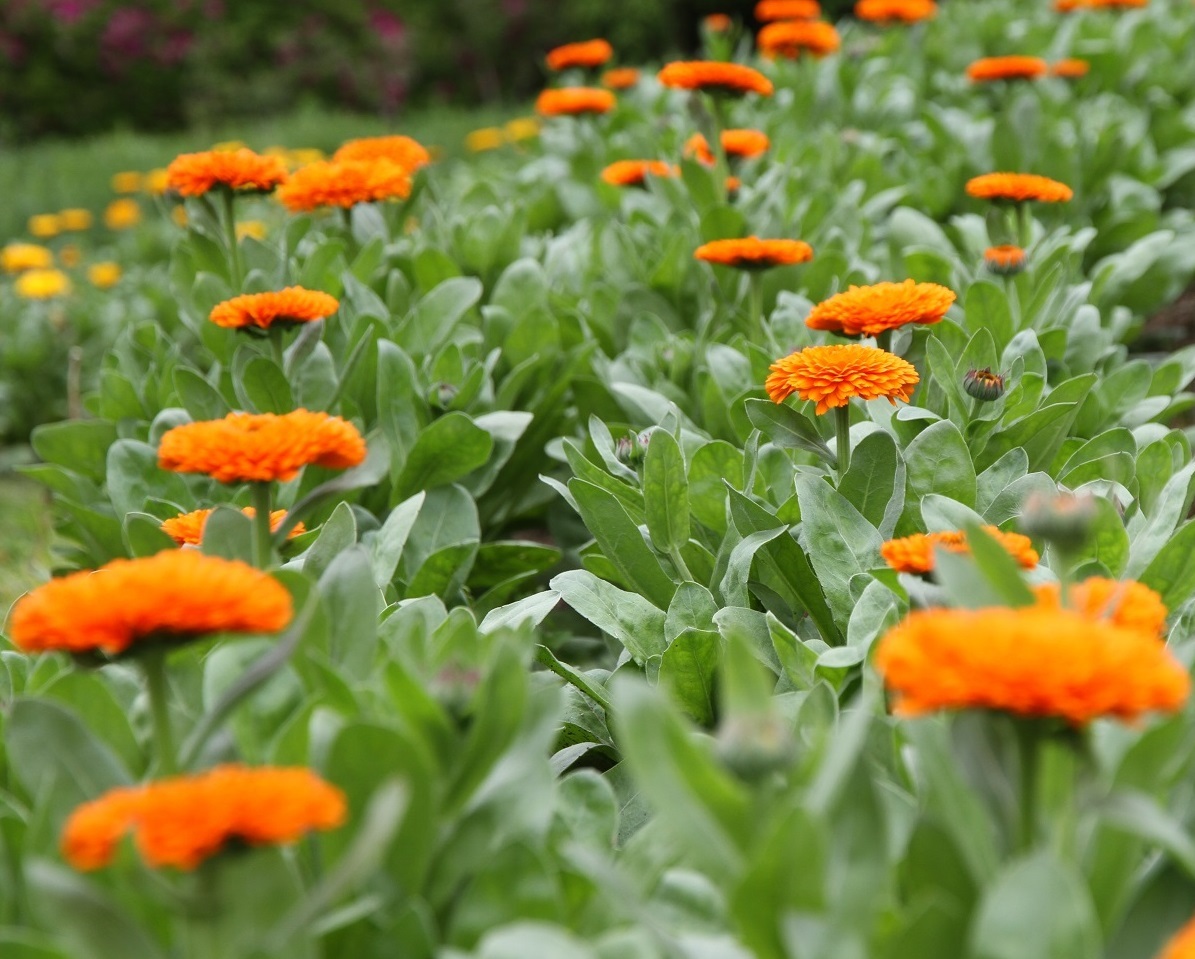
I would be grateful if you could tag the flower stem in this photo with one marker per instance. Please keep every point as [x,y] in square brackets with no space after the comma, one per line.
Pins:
[236,272]
[755,305]
[263,542]
[1029,748]
[1023,225]
[884,341]
[153,663]
[842,432]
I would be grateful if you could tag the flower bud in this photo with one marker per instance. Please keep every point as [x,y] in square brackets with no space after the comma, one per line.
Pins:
[984,384]
[754,745]
[1007,260]
[1063,519]
[442,394]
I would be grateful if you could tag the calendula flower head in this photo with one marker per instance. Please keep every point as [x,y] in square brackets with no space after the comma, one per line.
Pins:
[915,554]
[740,144]
[1006,260]
[768,10]
[186,529]
[251,230]
[984,384]
[1069,6]
[752,253]
[128,181]
[831,376]
[485,139]
[242,170]
[791,38]
[896,11]
[1181,945]
[1127,603]
[261,447]
[714,76]
[16,257]
[157,182]
[636,172]
[717,23]
[292,305]
[344,184]
[988,69]
[171,596]
[574,101]
[1071,68]
[104,276]
[587,55]
[122,214]
[875,309]
[42,284]
[1018,188]
[1033,661]
[75,219]
[522,128]
[621,78]
[182,821]
[44,225]
[403,152]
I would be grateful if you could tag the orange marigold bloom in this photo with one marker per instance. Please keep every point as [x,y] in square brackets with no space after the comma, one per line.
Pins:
[715,77]
[744,144]
[291,305]
[1032,661]
[905,11]
[588,55]
[573,101]
[1067,6]
[1181,945]
[753,253]
[1018,187]
[769,10]
[171,595]
[1127,604]
[404,152]
[186,529]
[717,23]
[636,172]
[1071,69]
[831,375]
[791,38]
[261,447]
[622,78]
[915,554]
[872,310]
[344,183]
[193,174]
[184,820]
[1006,68]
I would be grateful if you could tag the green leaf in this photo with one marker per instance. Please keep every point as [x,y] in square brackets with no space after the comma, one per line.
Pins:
[870,480]
[666,493]
[688,667]
[353,603]
[938,461]
[432,321]
[446,450]
[80,445]
[143,535]
[1172,571]
[228,533]
[391,539]
[628,617]
[202,400]
[337,534]
[986,307]
[788,429]
[263,387]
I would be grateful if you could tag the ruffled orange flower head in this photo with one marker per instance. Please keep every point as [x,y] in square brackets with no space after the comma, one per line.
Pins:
[404,152]
[1128,604]
[182,821]
[741,144]
[574,101]
[832,376]
[1071,68]
[768,10]
[172,595]
[872,310]
[753,253]
[262,310]
[1181,945]
[1068,6]
[194,174]
[622,78]
[1006,68]
[896,11]
[791,38]
[636,172]
[713,76]
[344,183]
[261,447]
[1018,188]
[588,55]
[1033,661]
[186,529]
[915,554]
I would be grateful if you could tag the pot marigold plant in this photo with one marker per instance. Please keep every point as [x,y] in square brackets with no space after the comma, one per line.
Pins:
[586,55]
[574,101]
[16,257]
[186,529]
[832,376]
[291,306]
[915,554]
[880,308]
[731,79]
[896,11]
[1015,67]
[1071,68]
[243,171]
[768,10]
[620,78]
[1018,188]
[404,152]
[344,184]
[791,38]
[740,144]
[1005,260]
[1124,603]
[752,253]
[42,284]
[636,172]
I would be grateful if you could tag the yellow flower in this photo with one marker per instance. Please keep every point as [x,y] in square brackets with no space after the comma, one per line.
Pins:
[253,229]
[75,219]
[44,225]
[122,214]
[42,284]
[488,138]
[71,256]
[104,275]
[522,128]
[157,181]
[304,155]
[127,182]
[25,256]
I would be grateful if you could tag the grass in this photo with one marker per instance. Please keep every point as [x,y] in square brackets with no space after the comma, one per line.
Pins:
[25,532]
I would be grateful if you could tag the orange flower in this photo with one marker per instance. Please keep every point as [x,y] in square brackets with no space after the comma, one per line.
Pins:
[1181,945]
[1068,6]
[186,529]
[744,144]
[193,174]
[404,152]
[915,554]
[889,11]
[831,375]
[1018,187]
[1006,68]
[791,38]
[623,78]
[263,310]
[122,214]
[1005,260]
[184,820]
[261,447]
[715,77]
[1032,661]
[175,594]
[344,183]
[1128,604]
[769,10]
[733,185]
[753,253]
[572,101]
[588,55]
[1071,68]
[872,310]
[636,172]
[717,23]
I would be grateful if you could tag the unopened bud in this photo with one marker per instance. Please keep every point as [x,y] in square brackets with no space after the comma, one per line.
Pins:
[754,745]
[1062,519]
[442,394]
[984,384]
[1005,260]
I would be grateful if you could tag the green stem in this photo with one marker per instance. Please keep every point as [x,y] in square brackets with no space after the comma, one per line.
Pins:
[276,350]
[263,543]
[201,929]
[721,162]
[1023,236]
[679,562]
[234,249]
[755,305]
[153,663]
[1029,747]
[842,432]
